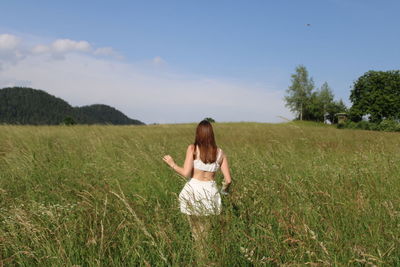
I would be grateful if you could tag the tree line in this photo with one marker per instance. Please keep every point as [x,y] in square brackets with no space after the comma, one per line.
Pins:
[309,102]
[375,98]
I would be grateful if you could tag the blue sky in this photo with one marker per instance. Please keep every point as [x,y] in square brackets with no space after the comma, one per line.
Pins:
[236,45]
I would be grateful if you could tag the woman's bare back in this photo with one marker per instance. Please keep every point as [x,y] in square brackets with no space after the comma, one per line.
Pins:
[203,175]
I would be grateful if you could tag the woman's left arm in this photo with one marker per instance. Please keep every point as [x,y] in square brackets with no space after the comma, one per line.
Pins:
[187,168]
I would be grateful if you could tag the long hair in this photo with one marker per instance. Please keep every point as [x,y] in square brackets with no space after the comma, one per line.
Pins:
[206,142]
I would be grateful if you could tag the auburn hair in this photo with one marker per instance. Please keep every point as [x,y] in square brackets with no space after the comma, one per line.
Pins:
[206,142]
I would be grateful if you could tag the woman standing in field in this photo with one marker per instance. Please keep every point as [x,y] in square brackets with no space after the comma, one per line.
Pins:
[200,197]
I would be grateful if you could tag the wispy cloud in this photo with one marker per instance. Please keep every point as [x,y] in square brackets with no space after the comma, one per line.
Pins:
[8,42]
[60,47]
[107,51]
[67,45]
[10,51]
[88,75]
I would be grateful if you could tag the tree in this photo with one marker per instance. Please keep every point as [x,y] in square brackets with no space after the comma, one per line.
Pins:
[299,92]
[69,121]
[209,120]
[377,94]
[317,106]
[325,96]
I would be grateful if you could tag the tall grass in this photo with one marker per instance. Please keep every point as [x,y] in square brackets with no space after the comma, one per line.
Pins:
[102,196]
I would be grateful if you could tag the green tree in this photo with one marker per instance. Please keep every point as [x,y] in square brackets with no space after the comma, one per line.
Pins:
[69,121]
[317,106]
[209,120]
[377,94]
[325,96]
[299,92]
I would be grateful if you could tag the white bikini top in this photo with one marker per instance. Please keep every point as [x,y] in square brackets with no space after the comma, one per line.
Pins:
[209,167]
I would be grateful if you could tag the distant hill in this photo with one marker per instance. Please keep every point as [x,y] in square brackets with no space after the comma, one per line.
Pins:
[99,113]
[21,105]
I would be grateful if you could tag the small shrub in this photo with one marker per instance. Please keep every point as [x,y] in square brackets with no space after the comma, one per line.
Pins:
[389,125]
[69,121]
[373,126]
[364,125]
[350,125]
[341,125]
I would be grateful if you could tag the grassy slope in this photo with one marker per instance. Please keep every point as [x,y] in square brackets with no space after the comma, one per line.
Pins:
[101,195]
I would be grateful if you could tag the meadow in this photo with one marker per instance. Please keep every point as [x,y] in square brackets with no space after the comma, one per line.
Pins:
[302,194]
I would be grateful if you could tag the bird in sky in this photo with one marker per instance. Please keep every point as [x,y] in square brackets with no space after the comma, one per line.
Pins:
[308,24]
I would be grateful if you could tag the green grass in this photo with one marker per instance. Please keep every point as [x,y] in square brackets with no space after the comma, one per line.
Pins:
[102,196]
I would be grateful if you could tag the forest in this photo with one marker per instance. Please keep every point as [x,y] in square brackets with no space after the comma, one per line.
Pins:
[22,105]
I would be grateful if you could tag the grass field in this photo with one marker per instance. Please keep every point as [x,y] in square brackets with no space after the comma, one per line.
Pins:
[102,196]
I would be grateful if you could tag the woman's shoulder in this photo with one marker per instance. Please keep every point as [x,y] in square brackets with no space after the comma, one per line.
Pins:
[221,152]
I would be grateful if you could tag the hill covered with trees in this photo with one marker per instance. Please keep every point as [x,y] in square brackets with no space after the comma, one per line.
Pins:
[21,105]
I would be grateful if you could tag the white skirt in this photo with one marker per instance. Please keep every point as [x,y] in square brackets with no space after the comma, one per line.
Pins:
[200,198]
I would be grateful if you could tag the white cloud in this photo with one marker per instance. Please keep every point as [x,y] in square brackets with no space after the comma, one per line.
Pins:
[141,92]
[61,47]
[40,49]
[108,51]
[8,42]
[67,45]
[10,51]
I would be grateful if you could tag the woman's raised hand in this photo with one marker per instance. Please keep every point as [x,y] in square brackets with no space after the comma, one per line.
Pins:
[168,159]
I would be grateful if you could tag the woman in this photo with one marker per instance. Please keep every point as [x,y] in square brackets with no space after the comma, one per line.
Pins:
[200,197]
